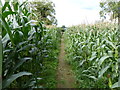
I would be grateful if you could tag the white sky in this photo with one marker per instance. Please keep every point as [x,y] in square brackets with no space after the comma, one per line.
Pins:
[73,12]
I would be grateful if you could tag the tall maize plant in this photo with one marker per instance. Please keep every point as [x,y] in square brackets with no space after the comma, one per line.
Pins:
[26,45]
[93,51]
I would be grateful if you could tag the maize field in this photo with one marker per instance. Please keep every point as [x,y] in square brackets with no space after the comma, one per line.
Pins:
[27,46]
[92,50]
[30,51]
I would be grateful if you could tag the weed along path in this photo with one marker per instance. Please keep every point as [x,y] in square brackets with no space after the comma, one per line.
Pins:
[65,77]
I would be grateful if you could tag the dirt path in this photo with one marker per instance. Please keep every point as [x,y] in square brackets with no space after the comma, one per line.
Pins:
[65,77]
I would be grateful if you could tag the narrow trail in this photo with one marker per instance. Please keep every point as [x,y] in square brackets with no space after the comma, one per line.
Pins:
[65,77]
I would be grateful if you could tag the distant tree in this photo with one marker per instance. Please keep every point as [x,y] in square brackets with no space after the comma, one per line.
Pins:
[110,7]
[44,9]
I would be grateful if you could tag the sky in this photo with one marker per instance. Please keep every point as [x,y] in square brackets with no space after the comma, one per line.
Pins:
[74,12]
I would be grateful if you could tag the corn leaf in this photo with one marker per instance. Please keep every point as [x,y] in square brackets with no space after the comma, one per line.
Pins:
[6,13]
[115,85]
[103,71]
[13,77]
[102,59]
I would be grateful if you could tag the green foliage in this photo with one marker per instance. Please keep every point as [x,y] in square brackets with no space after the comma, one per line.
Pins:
[110,7]
[93,53]
[45,11]
[0,56]
[26,46]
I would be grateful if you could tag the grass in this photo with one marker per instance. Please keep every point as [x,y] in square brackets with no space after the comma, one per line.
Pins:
[49,75]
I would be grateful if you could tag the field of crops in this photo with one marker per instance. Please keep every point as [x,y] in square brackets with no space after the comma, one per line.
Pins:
[92,51]
[28,49]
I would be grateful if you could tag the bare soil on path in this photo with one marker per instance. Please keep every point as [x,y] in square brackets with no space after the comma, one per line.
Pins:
[65,77]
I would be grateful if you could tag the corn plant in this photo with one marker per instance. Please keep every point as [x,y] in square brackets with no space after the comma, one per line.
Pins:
[26,45]
[93,50]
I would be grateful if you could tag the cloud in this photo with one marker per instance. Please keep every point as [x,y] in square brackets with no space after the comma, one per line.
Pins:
[73,12]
